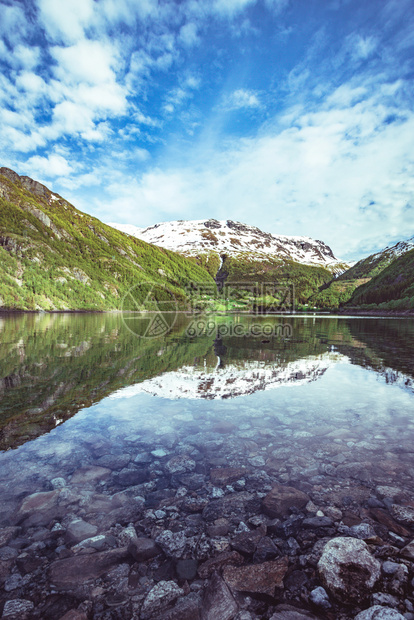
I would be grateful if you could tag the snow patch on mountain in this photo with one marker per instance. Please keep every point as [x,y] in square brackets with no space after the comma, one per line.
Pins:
[228,238]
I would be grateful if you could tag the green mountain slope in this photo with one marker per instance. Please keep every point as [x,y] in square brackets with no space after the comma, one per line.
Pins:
[54,257]
[305,279]
[340,290]
[391,289]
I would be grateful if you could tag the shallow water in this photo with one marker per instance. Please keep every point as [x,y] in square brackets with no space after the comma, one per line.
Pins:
[325,404]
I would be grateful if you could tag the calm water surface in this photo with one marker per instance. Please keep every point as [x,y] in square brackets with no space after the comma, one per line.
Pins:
[69,382]
[94,412]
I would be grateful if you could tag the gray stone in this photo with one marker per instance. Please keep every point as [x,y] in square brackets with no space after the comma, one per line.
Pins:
[287,612]
[173,544]
[384,599]
[17,609]
[319,597]
[161,595]
[180,464]
[390,568]
[13,583]
[78,530]
[377,612]
[348,570]
[403,514]
[364,531]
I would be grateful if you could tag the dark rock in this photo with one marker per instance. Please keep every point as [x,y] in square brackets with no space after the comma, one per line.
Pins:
[131,476]
[186,569]
[265,578]
[114,461]
[218,602]
[265,550]
[226,475]
[192,481]
[142,549]
[70,572]
[241,505]
[220,527]
[348,570]
[246,542]
[7,534]
[90,475]
[280,499]
[317,522]
[385,518]
[214,564]
[28,563]
[186,608]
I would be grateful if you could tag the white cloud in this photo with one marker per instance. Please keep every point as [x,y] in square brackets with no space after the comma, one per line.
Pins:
[86,61]
[13,25]
[241,98]
[188,34]
[66,21]
[342,174]
[49,167]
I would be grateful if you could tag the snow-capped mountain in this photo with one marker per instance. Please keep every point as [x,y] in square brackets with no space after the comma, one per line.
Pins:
[235,379]
[394,251]
[231,239]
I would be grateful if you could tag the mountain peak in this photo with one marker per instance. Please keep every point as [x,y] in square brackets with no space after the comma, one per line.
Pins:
[228,238]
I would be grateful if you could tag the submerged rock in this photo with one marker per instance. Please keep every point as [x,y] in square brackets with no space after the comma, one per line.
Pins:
[348,570]
[265,578]
[218,602]
[281,498]
[377,612]
[161,595]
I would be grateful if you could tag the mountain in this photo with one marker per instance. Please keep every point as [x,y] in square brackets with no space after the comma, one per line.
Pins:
[235,253]
[54,257]
[226,238]
[392,288]
[344,287]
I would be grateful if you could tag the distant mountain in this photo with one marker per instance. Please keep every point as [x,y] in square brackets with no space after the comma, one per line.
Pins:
[238,254]
[54,257]
[230,239]
[355,280]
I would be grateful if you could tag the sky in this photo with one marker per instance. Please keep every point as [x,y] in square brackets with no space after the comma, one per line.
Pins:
[296,116]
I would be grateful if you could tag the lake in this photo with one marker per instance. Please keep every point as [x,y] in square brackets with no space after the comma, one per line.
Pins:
[143,477]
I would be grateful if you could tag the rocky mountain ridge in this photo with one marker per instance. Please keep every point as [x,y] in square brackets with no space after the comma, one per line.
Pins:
[227,238]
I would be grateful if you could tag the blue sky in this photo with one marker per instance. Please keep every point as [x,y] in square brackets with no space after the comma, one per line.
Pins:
[293,115]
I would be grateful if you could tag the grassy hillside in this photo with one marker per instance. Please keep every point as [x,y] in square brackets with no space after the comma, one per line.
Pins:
[391,289]
[305,279]
[53,256]
[340,290]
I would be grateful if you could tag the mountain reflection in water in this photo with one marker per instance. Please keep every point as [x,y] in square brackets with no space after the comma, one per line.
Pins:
[51,366]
